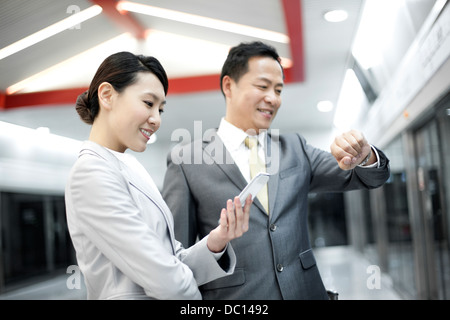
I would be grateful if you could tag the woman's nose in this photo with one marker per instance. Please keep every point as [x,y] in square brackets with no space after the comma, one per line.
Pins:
[154,120]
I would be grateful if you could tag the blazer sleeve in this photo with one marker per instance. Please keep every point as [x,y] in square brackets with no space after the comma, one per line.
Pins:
[203,263]
[104,211]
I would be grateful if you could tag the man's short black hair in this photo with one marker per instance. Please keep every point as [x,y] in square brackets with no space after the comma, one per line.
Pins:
[236,64]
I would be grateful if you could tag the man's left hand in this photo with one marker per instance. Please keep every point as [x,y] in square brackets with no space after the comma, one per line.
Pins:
[350,149]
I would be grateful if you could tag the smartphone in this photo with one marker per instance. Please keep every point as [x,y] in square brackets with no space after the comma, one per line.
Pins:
[254,186]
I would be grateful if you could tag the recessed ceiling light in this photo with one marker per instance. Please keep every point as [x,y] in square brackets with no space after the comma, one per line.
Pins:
[325,106]
[336,16]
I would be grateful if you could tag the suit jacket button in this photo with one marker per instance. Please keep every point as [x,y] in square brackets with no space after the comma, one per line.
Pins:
[273,227]
[280,267]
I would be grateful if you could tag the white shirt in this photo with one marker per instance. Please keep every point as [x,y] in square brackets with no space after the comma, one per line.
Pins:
[234,140]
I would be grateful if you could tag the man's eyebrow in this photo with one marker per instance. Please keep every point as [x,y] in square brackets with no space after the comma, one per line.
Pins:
[269,81]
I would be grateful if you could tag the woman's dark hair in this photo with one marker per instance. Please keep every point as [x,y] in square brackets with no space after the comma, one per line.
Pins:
[236,64]
[120,70]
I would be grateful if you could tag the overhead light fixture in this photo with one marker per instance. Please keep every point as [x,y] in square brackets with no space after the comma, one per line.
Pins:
[325,106]
[336,16]
[350,102]
[55,28]
[124,6]
[55,77]
[372,37]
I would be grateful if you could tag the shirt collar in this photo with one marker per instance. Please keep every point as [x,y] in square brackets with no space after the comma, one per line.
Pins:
[233,136]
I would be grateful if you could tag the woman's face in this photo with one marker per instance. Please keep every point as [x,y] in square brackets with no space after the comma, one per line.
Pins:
[136,113]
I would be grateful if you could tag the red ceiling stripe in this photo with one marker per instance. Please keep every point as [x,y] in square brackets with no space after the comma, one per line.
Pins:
[61,97]
[69,96]
[194,84]
[293,16]
[2,101]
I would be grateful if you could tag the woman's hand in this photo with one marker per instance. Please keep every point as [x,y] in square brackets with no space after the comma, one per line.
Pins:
[233,224]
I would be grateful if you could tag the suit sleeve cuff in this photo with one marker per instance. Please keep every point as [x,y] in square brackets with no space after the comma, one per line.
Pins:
[373,165]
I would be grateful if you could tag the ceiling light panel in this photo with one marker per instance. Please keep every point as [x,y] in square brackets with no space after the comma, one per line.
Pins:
[81,68]
[51,30]
[205,22]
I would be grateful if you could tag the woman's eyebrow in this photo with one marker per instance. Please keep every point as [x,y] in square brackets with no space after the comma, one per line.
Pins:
[154,96]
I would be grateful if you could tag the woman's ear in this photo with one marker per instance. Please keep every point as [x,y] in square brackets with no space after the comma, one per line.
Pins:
[105,95]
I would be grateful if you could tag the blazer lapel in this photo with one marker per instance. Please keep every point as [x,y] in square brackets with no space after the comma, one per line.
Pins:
[136,181]
[155,197]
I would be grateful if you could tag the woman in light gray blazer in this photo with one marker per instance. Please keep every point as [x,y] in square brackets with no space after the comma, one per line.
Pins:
[121,228]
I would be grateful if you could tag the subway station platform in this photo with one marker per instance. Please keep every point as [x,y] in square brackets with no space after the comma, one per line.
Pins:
[343,270]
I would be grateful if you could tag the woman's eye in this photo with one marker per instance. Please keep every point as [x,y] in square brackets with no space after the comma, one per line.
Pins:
[161,111]
[149,103]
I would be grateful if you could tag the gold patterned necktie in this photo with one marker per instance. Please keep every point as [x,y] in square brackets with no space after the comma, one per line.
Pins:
[256,166]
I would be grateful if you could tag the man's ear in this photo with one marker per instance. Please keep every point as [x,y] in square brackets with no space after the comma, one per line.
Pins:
[105,95]
[227,83]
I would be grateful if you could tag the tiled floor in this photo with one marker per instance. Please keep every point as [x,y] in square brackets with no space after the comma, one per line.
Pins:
[342,270]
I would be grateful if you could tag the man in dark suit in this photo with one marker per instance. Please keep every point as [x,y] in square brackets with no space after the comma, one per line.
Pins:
[274,258]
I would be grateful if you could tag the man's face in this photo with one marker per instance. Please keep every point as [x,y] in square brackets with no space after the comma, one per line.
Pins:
[254,100]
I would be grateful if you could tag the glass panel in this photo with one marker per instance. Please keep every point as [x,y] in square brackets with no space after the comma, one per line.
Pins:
[400,249]
[429,142]
[444,122]
[327,223]
[35,239]
[24,239]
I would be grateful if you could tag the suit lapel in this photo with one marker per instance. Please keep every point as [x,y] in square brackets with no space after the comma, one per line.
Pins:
[216,150]
[272,165]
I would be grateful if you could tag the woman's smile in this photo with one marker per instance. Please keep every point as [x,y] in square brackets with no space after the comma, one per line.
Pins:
[146,133]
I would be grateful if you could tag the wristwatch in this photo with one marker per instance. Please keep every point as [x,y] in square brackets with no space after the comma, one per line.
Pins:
[366,159]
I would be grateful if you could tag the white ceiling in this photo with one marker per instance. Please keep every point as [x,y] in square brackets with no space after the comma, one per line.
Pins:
[327,51]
